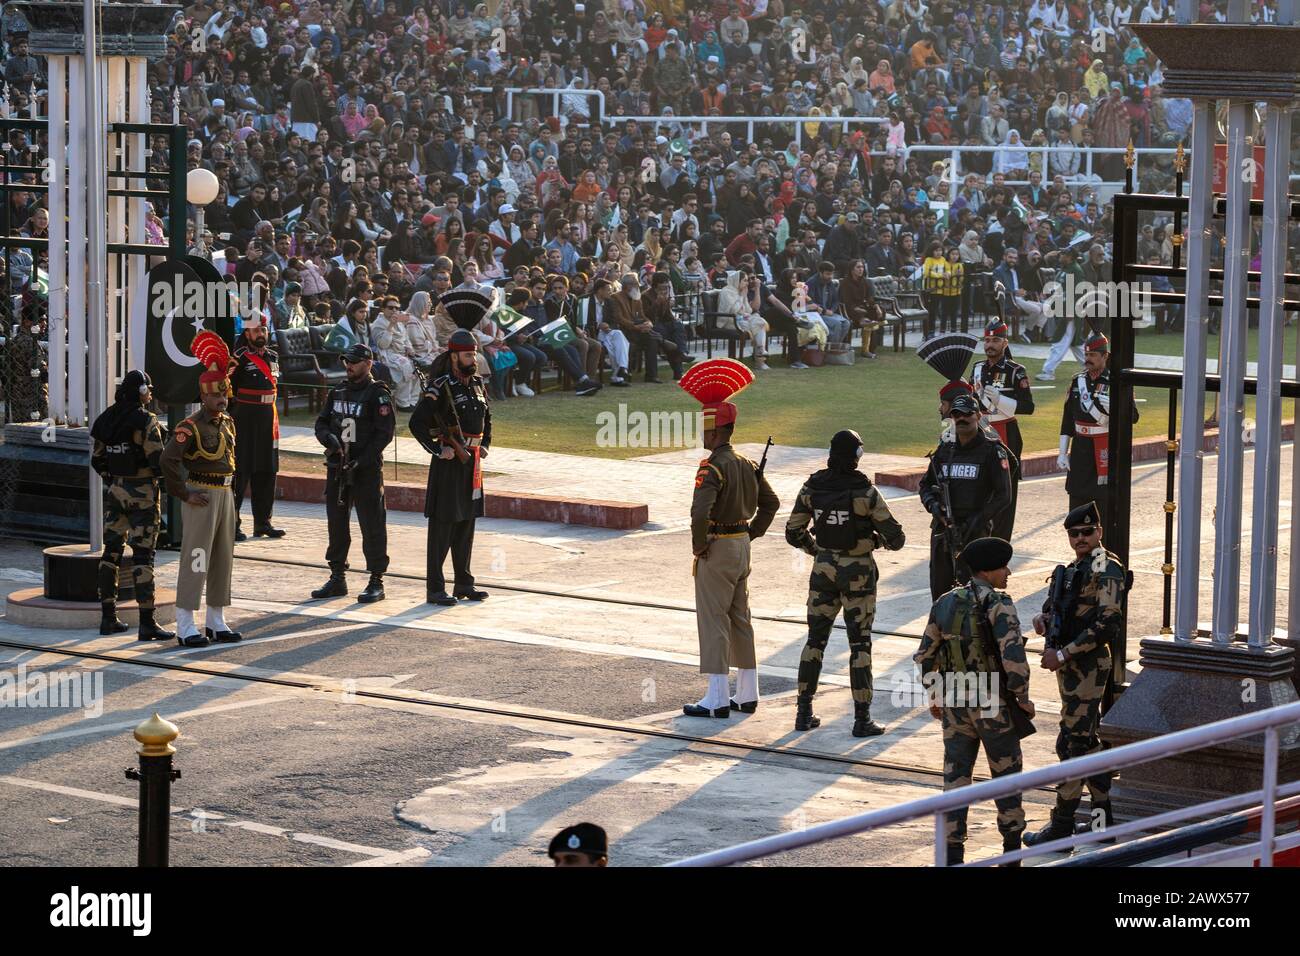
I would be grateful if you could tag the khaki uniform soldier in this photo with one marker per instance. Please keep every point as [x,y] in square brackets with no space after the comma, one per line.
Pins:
[973,629]
[127,452]
[850,520]
[1080,625]
[733,504]
[204,445]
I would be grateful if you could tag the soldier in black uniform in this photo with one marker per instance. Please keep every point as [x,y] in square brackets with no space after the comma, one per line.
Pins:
[257,456]
[977,471]
[355,426]
[128,445]
[1003,392]
[452,423]
[1086,420]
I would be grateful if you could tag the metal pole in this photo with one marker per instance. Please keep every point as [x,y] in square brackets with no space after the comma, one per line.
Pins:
[155,775]
[96,332]
[1268,393]
[1236,260]
[940,841]
[1119,483]
[1196,315]
[77,247]
[1167,569]
[58,209]
[1268,815]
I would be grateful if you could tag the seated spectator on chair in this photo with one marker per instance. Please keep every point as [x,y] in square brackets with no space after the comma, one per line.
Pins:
[1008,273]
[658,309]
[824,299]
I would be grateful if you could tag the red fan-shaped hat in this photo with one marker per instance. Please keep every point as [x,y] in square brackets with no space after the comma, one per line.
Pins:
[210,349]
[711,383]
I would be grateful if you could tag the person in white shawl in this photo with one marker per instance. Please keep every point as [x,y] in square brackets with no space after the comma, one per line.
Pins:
[419,329]
[738,304]
[388,332]
[1013,161]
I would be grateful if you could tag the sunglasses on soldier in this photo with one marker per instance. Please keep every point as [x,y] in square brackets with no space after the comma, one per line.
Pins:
[1080,532]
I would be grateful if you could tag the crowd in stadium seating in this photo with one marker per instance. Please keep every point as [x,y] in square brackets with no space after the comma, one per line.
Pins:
[369,151]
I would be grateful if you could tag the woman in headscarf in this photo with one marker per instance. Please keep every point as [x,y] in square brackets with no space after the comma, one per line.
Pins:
[857,72]
[460,28]
[519,169]
[629,29]
[1013,159]
[1095,80]
[881,81]
[740,303]
[1058,115]
[483,23]
[549,183]
[708,47]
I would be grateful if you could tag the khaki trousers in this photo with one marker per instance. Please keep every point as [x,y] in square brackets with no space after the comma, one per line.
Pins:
[207,549]
[722,606]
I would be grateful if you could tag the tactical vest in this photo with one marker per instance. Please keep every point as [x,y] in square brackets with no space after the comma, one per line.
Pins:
[126,457]
[834,525]
[964,647]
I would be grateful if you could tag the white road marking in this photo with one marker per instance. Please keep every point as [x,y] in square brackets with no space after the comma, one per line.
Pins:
[98,728]
[379,856]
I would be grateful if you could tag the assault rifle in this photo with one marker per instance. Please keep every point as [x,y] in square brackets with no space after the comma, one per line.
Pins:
[950,532]
[450,433]
[345,474]
[1022,723]
[763,463]
[1058,599]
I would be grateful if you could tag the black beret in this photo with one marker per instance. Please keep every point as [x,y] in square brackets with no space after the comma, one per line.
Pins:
[987,554]
[358,353]
[579,838]
[1083,515]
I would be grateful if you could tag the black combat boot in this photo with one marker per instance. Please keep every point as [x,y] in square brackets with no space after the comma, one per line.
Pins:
[374,590]
[1010,844]
[804,718]
[1055,830]
[151,630]
[863,725]
[108,622]
[956,854]
[471,594]
[336,586]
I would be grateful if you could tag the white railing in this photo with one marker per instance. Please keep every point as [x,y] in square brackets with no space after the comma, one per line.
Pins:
[1267,721]
[749,122]
[554,93]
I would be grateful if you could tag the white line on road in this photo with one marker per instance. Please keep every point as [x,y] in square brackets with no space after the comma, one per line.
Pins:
[379,855]
[98,728]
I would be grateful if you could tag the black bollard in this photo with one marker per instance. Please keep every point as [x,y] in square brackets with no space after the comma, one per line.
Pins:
[155,774]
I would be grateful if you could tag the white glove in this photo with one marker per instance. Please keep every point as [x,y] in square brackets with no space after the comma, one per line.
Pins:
[1063,459]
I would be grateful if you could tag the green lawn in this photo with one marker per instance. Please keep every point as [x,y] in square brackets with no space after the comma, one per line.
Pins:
[892,402]
[1171,343]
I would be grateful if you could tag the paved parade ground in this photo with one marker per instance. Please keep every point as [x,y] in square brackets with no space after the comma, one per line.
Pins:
[403,734]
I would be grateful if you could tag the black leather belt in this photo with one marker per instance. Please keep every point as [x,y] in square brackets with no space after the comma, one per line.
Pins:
[211,481]
[743,526]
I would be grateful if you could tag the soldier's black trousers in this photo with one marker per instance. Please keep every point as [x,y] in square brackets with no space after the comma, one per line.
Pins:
[458,538]
[262,486]
[942,579]
[367,493]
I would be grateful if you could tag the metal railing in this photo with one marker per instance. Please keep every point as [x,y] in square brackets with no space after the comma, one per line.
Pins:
[749,122]
[1129,755]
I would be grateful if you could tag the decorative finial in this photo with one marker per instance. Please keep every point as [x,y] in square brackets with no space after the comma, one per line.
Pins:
[155,736]
[1130,157]
[1180,159]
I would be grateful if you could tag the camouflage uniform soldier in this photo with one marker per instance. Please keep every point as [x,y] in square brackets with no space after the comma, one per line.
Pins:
[128,443]
[1090,617]
[850,520]
[964,625]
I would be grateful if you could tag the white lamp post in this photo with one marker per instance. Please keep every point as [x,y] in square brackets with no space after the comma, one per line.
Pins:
[201,188]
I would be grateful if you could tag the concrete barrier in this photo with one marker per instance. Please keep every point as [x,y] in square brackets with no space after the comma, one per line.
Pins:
[402,496]
[1041,463]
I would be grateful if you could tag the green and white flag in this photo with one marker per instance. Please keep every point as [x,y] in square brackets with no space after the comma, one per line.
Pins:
[511,322]
[41,283]
[557,334]
[338,339]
